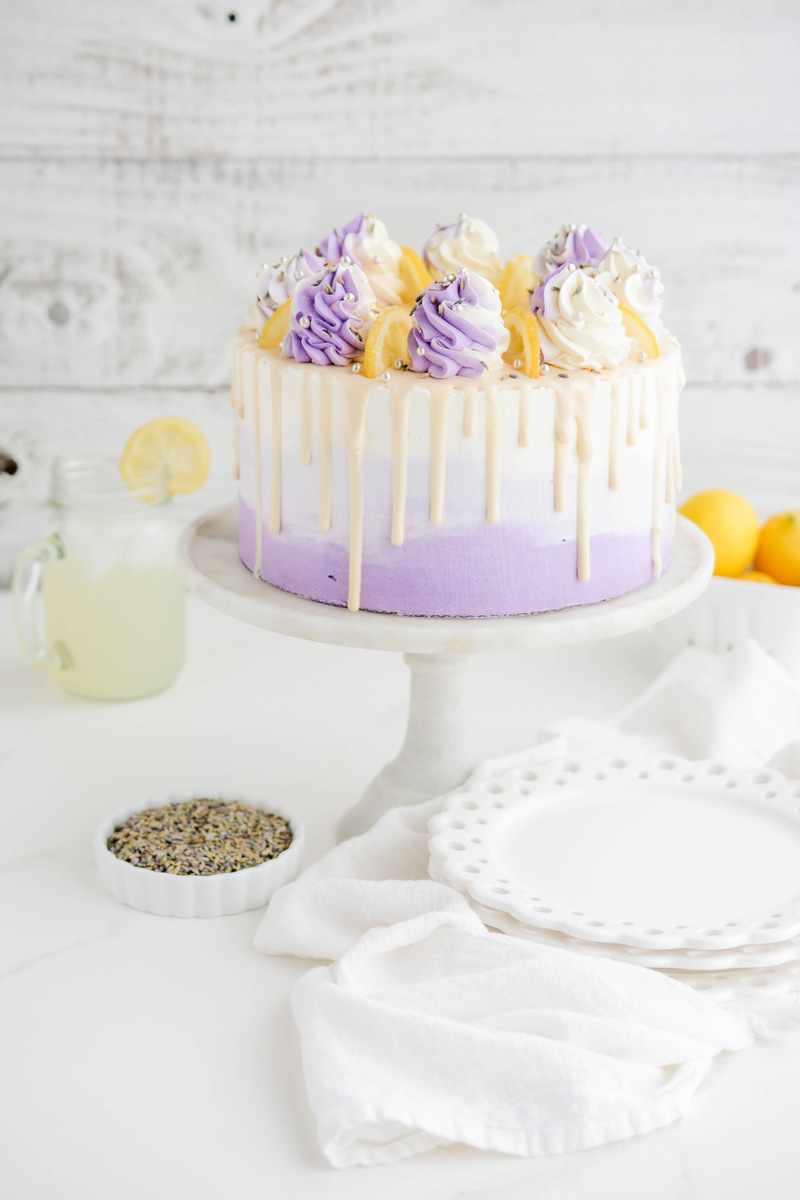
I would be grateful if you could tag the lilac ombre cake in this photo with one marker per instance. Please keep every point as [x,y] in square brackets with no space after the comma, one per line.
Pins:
[427,438]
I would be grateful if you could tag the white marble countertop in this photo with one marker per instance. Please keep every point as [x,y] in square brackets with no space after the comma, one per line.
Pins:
[144,1055]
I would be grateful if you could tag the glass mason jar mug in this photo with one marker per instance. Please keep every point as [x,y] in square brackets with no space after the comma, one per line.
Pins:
[112,598]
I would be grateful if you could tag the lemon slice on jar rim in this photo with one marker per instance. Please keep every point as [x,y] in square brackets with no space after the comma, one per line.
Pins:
[171,445]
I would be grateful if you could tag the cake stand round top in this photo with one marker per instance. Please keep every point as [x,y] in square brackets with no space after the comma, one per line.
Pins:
[208,557]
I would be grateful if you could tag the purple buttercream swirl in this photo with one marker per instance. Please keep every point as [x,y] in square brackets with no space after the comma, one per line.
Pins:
[578,244]
[344,240]
[330,317]
[457,327]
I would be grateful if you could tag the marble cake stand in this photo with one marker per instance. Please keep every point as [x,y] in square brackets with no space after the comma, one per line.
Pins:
[435,756]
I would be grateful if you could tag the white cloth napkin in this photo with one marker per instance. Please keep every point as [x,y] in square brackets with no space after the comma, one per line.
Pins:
[427,1029]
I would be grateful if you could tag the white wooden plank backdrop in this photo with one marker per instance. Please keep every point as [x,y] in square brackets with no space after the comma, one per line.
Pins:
[151,155]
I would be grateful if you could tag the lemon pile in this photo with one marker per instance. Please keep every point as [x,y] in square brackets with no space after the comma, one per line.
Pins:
[742,550]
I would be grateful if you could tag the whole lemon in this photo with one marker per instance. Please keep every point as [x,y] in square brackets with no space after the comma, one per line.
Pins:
[758,577]
[779,548]
[730,524]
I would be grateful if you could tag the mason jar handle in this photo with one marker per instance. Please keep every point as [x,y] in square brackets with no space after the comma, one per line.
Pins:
[25,590]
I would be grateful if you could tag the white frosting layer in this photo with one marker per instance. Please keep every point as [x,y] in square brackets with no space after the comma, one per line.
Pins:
[588,330]
[490,318]
[469,243]
[634,282]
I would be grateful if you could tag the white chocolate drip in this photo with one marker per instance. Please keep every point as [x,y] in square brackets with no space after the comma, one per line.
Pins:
[438,435]
[638,399]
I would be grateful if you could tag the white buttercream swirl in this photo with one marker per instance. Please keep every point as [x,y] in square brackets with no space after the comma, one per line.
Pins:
[277,283]
[579,321]
[468,243]
[633,281]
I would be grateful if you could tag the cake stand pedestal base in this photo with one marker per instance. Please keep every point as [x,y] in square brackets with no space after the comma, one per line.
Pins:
[434,757]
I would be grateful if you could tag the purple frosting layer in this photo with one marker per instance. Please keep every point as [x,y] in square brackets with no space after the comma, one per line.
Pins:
[496,571]
[327,317]
[454,328]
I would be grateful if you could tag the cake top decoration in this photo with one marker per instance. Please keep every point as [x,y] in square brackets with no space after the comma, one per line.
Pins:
[469,243]
[579,321]
[578,244]
[633,281]
[366,241]
[330,316]
[276,283]
[457,327]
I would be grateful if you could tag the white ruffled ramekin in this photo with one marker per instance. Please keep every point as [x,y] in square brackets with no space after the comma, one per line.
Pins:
[195,895]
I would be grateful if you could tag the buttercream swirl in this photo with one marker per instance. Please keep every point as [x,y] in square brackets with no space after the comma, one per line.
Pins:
[633,281]
[468,243]
[577,244]
[276,283]
[458,327]
[366,241]
[331,314]
[579,321]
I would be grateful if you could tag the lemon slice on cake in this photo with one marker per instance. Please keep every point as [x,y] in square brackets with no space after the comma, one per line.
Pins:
[414,274]
[172,445]
[387,342]
[523,341]
[517,281]
[639,332]
[276,327]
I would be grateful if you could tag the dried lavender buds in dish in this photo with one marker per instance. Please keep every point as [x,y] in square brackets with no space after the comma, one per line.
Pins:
[200,837]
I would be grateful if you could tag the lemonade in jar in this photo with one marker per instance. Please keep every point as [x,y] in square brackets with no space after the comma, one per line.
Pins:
[112,602]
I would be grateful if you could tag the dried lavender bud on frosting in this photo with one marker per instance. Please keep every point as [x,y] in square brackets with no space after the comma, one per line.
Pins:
[365,239]
[277,283]
[580,324]
[458,327]
[467,243]
[633,281]
[331,314]
[577,244]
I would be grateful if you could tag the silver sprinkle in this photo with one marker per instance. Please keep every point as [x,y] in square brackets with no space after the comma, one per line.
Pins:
[572,228]
[642,356]
[517,363]
[345,260]
[304,322]
[544,368]
[349,297]
[571,267]
[458,306]
[356,367]
[386,377]
[399,364]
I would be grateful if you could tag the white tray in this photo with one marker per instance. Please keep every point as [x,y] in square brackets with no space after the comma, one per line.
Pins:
[659,853]
[728,613]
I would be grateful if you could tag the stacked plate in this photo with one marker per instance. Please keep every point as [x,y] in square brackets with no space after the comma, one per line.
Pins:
[692,868]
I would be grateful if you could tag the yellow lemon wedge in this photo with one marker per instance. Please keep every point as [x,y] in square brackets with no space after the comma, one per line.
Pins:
[779,548]
[517,281]
[169,444]
[639,332]
[523,340]
[276,327]
[730,524]
[387,341]
[414,274]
